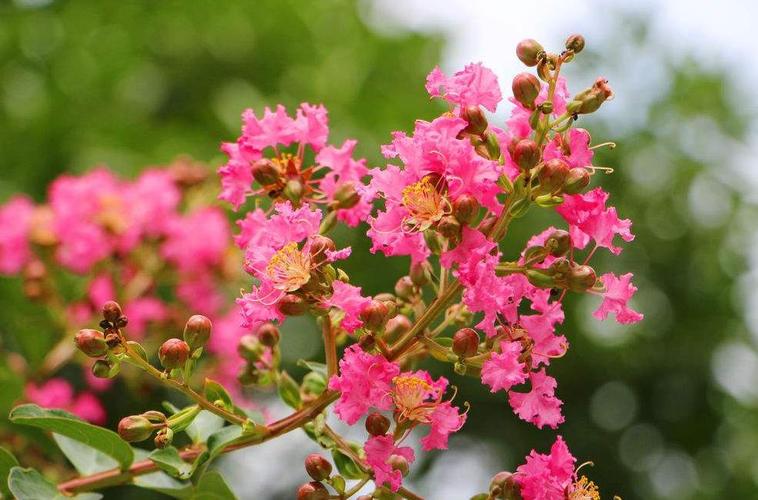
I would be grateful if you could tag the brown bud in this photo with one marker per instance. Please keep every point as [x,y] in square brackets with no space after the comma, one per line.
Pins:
[312,491]
[553,174]
[577,179]
[449,227]
[397,326]
[268,334]
[292,305]
[377,424]
[112,311]
[465,209]
[319,246]
[293,190]
[374,315]
[346,195]
[265,172]
[477,122]
[399,463]
[91,342]
[135,428]
[526,154]
[197,331]
[590,100]
[250,348]
[173,353]
[164,437]
[575,43]
[367,342]
[581,278]
[503,486]
[104,369]
[558,243]
[317,467]
[404,288]
[487,224]
[419,273]
[526,87]
[529,51]
[465,342]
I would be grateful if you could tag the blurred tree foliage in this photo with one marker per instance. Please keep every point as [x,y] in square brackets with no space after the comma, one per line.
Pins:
[136,83]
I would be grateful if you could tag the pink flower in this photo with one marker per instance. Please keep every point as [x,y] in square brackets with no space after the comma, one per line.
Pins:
[539,406]
[87,406]
[15,219]
[152,199]
[58,393]
[541,329]
[379,449]
[443,421]
[345,172]
[364,381]
[504,370]
[101,290]
[518,123]
[143,311]
[259,306]
[547,477]
[236,175]
[348,299]
[576,152]
[201,293]
[618,292]
[589,218]
[312,125]
[475,85]
[197,241]
[274,128]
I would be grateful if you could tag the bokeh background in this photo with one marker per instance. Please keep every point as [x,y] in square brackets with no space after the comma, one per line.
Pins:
[667,409]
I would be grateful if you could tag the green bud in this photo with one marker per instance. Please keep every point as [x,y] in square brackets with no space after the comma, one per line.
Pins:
[540,279]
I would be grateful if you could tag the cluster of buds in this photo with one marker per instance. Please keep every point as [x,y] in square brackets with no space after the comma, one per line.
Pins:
[136,428]
[107,344]
[260,351]
[320,470]
[174,353]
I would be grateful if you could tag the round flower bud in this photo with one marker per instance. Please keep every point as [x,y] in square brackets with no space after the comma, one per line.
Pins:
[374,314]
[404,288]
[465,209]
[250,347]
[346,195]
[526,154]
[449,227]
[292,305]
[399,463]
[397,326]
[558,243]
[319,246]
[317,467]
[197,331]
[91,342]
[164,437]
[589,100]
[293,190]
[503,486]
[268,334]
[581,278]
[312,491]
[577,179]
[265,172]
[465,342]
[553,174]
[419,273]
[575,42]
[367,342]
[526,87]
[377,424]
[103,369]
[173,353]
[112,312]
[135,428]
[477,122]
[529,51]
[487,224]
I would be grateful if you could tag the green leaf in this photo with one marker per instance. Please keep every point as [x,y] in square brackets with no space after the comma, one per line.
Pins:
[28,484]
[86,459]
[160,481]
[137,348]
[346,466]
[319,368]
[64,423]
[289,391]
[7,462]
[205,424]
[213,487]
[215,392]
[216,444]
[169,461]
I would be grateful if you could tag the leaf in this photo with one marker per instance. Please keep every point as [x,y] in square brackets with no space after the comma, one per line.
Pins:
[28,484]
[160,481]
[289,391]
[7,462]
[213,487]
[319,368]
[137,348]
[216,444]
[346,466]
[215,392]
[86,459]
[169,461]
[64,423]
[205,424]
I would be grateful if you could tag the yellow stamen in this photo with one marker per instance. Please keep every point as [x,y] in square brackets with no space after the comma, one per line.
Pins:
[289,268]
[584,489]
[409,393]
[425,205]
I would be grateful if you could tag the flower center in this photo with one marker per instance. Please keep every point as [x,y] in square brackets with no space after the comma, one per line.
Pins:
[410,393]
[289,268]
[584,489]
[425,205]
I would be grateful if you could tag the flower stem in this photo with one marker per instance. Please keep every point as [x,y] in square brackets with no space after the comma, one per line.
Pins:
[330,346]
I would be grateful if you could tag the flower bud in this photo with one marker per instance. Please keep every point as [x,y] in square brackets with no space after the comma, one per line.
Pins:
[465,209]
[265,172]
[104,369]
[477,123]
[529,51]
[526,154]
[419,273]
[577,179]
[374,315]
[575,43]
[558,243]
[581,278]
[433,240]
[250,348]
[590,100]
[35,270]
[553,174]
[399,463]
[535,254]
[197,331]
[487,224]
[164,437]
[526,87]
[319,246]
[112,312]
[346,196]
[173,353]
[404,288]
[465,342]
[450,228]
[135,428]
[377,424]
[268,334]
[540,279]
[503,486]
[91,342]
[312,491]
[293,190]
[317,467]
[292,305]
[397,326]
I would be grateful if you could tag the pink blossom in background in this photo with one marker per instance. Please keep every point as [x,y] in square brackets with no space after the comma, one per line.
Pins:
[15,219]
[379,449]
[197,241]
[618,292]
[143,311]
[58,393]
[101,290]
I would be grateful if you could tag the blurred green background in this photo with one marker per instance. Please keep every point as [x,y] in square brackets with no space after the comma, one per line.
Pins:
[666,409]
